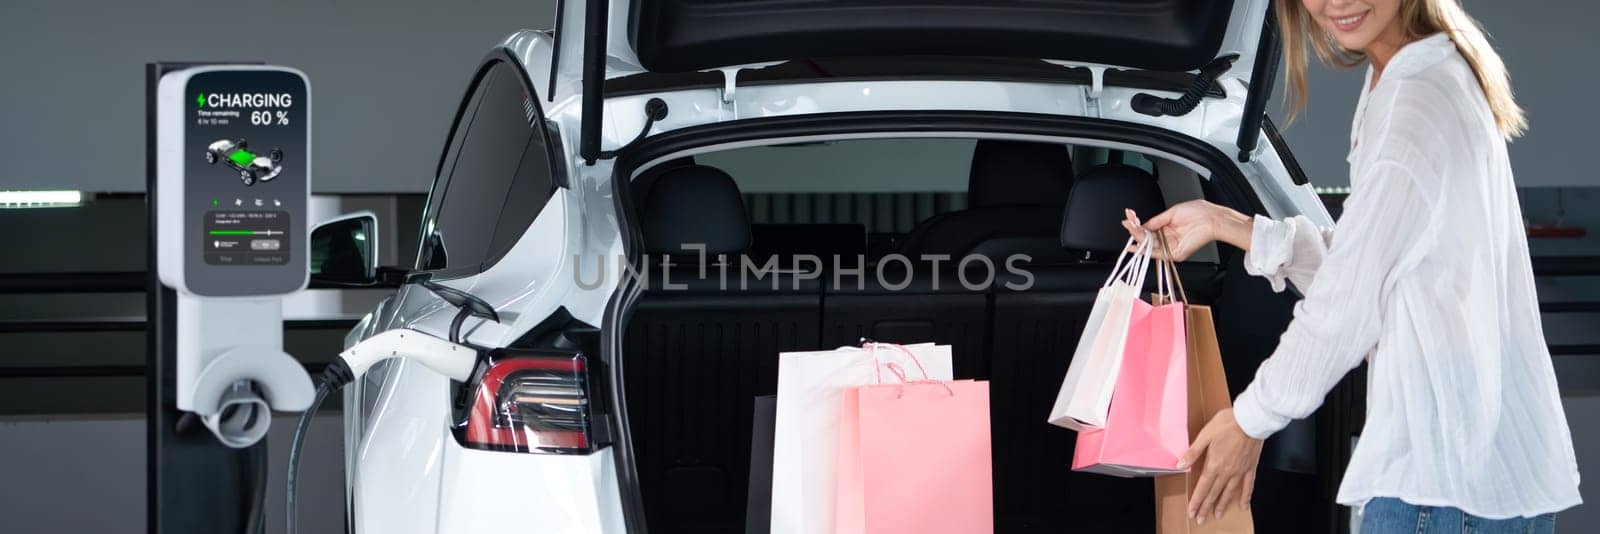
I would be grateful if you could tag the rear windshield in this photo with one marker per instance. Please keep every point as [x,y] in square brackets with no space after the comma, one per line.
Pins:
[895,191]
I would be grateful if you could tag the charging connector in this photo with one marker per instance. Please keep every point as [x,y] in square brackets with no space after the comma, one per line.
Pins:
[453,360]
[446,358]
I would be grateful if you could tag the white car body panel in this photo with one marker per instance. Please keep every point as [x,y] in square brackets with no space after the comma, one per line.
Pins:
[407,474]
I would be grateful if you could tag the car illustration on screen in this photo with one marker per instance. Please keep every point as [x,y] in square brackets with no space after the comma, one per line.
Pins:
[252,167]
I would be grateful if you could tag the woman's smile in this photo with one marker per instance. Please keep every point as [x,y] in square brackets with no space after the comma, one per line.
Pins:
[1351,23]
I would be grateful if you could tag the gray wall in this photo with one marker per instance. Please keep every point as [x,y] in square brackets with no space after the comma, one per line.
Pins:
[1550,48]
[97,463]
[386,76]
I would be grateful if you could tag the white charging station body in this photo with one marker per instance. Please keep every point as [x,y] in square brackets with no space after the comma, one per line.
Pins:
[234,178]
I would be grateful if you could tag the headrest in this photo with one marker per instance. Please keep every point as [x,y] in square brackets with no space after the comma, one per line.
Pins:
[1019,173]
[695,205]
[646,179]
[1093,219]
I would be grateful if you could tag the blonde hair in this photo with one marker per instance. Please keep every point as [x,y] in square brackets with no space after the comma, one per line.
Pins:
[1418,18]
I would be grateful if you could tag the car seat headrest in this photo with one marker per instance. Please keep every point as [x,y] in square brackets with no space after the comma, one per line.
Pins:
[1093,218]
[695,205]
[1019,173]
[646,179]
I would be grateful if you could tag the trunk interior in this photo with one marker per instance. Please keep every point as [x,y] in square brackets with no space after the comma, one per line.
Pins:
[698,352]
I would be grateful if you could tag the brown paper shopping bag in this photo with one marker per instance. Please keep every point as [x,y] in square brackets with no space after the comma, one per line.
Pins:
[1208,394]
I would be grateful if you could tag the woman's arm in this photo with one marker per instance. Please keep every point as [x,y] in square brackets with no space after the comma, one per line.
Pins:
[1335,325]
[1290,250]
[1188,226]
[1342,314]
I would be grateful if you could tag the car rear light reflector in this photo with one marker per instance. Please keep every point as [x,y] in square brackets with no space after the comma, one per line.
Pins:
[532,403]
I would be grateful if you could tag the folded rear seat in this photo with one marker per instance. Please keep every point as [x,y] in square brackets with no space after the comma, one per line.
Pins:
[697,355]
[1034,335]
[932,306]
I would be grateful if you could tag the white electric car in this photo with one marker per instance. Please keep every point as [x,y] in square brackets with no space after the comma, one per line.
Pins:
[727,132]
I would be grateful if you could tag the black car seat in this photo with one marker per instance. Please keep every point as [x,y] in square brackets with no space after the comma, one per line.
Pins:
[1015,192]
[1035,332]
[698,352]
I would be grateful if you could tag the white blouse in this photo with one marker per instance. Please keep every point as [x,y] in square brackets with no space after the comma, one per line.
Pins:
[1427,276]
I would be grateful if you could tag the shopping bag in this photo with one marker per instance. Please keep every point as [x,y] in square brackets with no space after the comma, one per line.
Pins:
[758,498]
[1208,394]
[914,458]
[806,434]
[1085,395]
[1146,430]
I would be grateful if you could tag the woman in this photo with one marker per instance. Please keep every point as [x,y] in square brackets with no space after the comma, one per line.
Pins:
[1426,275]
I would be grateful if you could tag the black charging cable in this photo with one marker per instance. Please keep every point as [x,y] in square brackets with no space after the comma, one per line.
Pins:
[335,376]
[256,466]
[338,374]
[253,469]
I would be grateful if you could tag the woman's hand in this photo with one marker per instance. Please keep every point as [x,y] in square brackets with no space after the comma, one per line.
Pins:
[1191,225]
[1229,473]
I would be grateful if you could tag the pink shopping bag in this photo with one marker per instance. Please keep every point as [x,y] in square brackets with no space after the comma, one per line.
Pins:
[1146,430]
[805,449]
[914,458]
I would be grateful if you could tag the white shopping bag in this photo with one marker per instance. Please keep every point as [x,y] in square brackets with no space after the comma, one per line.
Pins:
[806,438]
[1085,394]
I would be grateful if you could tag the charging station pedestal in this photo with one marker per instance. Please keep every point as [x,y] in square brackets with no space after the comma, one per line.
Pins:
[228,183]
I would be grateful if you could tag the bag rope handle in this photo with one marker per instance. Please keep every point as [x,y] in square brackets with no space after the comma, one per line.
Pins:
[1171,265]
[900,372]
[1121,270]
[897,369]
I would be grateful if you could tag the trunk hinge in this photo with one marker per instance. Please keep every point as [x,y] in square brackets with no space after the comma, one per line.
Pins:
[1097,84]
[730,77]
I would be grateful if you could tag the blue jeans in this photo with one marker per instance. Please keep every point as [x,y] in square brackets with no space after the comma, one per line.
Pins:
[1386,515]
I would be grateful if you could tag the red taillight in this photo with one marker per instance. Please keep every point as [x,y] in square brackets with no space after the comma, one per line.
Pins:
[536,403]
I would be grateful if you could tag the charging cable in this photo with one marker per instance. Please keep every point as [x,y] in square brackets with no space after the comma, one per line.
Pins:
[451,359]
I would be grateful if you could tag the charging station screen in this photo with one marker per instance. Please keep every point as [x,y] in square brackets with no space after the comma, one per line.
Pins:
[245,181]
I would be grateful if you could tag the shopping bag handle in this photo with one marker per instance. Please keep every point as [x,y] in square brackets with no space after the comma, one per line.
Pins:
[900,373]
[1170,266]
[1121,270]
[878,365]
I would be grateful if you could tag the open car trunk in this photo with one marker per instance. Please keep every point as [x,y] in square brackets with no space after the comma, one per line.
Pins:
[685,35]
[697,356]
[1165,35]
[629,37]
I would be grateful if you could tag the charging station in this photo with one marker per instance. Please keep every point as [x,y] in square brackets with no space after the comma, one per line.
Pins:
[229,178]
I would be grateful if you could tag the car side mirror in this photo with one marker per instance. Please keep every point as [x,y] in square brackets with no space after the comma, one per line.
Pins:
[344,250]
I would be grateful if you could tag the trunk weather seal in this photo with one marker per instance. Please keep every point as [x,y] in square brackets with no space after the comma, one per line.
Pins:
[1232,186]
